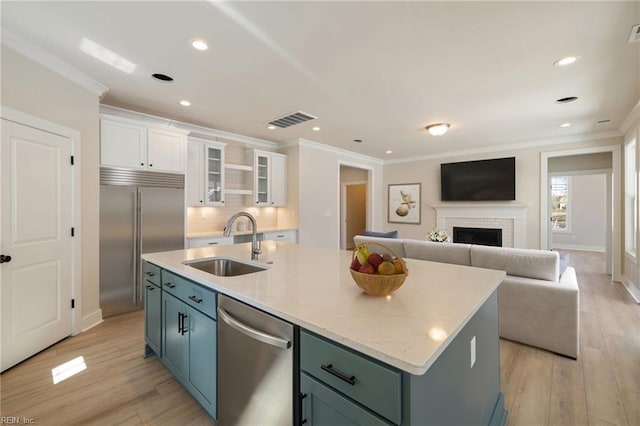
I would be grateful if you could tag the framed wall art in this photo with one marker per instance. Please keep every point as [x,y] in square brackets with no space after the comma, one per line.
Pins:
[404,203]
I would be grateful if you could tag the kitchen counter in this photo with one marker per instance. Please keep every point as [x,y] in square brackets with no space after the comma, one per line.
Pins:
[312,287]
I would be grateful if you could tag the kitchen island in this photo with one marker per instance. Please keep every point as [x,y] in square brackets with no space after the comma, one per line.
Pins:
[438,332]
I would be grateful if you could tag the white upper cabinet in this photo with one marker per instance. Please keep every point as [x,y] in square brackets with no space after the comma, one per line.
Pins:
[166,150]
[205,173]
[123,144]
[269,178]
[137,146]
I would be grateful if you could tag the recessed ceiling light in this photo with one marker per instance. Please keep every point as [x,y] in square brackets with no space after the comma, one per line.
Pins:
[199,45]
[388,152]
[271,127]
[185,103]
[438,129]
[565,125]
[162,77]
[315,129]
[357,140]
[566,100]
[563,62]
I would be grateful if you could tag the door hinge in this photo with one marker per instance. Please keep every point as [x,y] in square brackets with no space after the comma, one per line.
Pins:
[73,303]
[72,160]
[73,232]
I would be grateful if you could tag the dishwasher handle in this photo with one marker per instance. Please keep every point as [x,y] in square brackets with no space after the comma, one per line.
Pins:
[252,332]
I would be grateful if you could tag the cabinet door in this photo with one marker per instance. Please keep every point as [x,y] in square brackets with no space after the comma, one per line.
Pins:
[123,144]
[278,180]
[214,166]
[195,174]
[166,151]
[174,350]
[261,186]
[152,318]
[202,358]
[322,406]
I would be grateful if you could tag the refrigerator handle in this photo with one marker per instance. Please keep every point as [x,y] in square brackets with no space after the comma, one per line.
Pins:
[137,288]
[136,254]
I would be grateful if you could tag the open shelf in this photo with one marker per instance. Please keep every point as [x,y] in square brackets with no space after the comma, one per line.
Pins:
[238,167]
[238,191]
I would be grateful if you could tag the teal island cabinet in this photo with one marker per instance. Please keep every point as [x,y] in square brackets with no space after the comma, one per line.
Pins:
[427,355]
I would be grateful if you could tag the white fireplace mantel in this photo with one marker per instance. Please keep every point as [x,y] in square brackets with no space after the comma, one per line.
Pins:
[446,215]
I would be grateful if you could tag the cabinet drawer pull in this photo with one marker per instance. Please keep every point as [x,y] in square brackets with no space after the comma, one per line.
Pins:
[170,285]
[213,243]
[150,274]
[280,236]
[150,287]
[180,322]
[184,328]
[329,369]
[195,299]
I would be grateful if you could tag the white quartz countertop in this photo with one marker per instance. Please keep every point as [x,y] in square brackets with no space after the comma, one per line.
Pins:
[213,234]
[313,288]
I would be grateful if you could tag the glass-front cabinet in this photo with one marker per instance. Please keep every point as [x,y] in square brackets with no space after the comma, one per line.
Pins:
[205,173]
[214,174]
[263,170]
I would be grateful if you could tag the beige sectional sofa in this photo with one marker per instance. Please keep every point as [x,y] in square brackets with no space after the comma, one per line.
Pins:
[536,305]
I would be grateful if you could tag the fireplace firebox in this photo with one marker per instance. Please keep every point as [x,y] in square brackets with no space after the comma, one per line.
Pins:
[482,236]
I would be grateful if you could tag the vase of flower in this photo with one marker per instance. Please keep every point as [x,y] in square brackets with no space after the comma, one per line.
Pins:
[438,236]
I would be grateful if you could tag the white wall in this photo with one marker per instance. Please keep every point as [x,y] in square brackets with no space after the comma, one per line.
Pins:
[588,224]
[33,89]
[318,197]
[427,172]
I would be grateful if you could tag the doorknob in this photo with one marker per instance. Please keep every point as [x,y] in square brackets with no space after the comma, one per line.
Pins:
[5,259]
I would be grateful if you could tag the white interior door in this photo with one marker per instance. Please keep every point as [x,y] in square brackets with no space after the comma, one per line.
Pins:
[36,284]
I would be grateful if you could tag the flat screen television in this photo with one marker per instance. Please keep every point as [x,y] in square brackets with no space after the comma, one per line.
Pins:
[483,180]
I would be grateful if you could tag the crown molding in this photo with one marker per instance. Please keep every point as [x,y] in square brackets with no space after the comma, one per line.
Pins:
[327,148]
[52,62]
[191,129]
[631,118]
[506,147]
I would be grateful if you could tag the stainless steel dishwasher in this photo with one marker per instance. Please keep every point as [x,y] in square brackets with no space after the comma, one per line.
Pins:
[255,366]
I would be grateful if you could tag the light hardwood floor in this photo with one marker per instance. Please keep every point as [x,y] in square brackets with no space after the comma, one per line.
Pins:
[119,387]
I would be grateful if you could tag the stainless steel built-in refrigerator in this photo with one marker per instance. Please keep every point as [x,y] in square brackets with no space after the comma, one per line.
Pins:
[140,212]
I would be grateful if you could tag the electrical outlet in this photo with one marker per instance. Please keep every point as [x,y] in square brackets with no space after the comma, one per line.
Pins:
[327,213]
[473,351]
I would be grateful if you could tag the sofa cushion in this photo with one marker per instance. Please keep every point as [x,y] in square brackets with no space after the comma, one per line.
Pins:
[538,264]
[394,244]
[438,252]
[390,234]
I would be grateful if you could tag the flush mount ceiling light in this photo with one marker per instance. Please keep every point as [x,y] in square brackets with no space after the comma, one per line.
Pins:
[199,44]
[185,103]
[567,60]
[565,125]
[438,129]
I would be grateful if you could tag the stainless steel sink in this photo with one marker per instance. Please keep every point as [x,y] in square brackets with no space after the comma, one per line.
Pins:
[225,267]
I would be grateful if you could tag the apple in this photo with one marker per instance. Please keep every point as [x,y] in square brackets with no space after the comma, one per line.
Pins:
[367,268]
[375,259]
[355,265]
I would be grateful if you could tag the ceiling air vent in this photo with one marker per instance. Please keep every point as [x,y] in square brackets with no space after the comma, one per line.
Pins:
[602,122]
[635,34]
[292,119]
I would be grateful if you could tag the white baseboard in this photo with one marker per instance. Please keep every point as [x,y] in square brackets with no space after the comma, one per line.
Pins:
[579,247]
[632,289]
[91,320]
